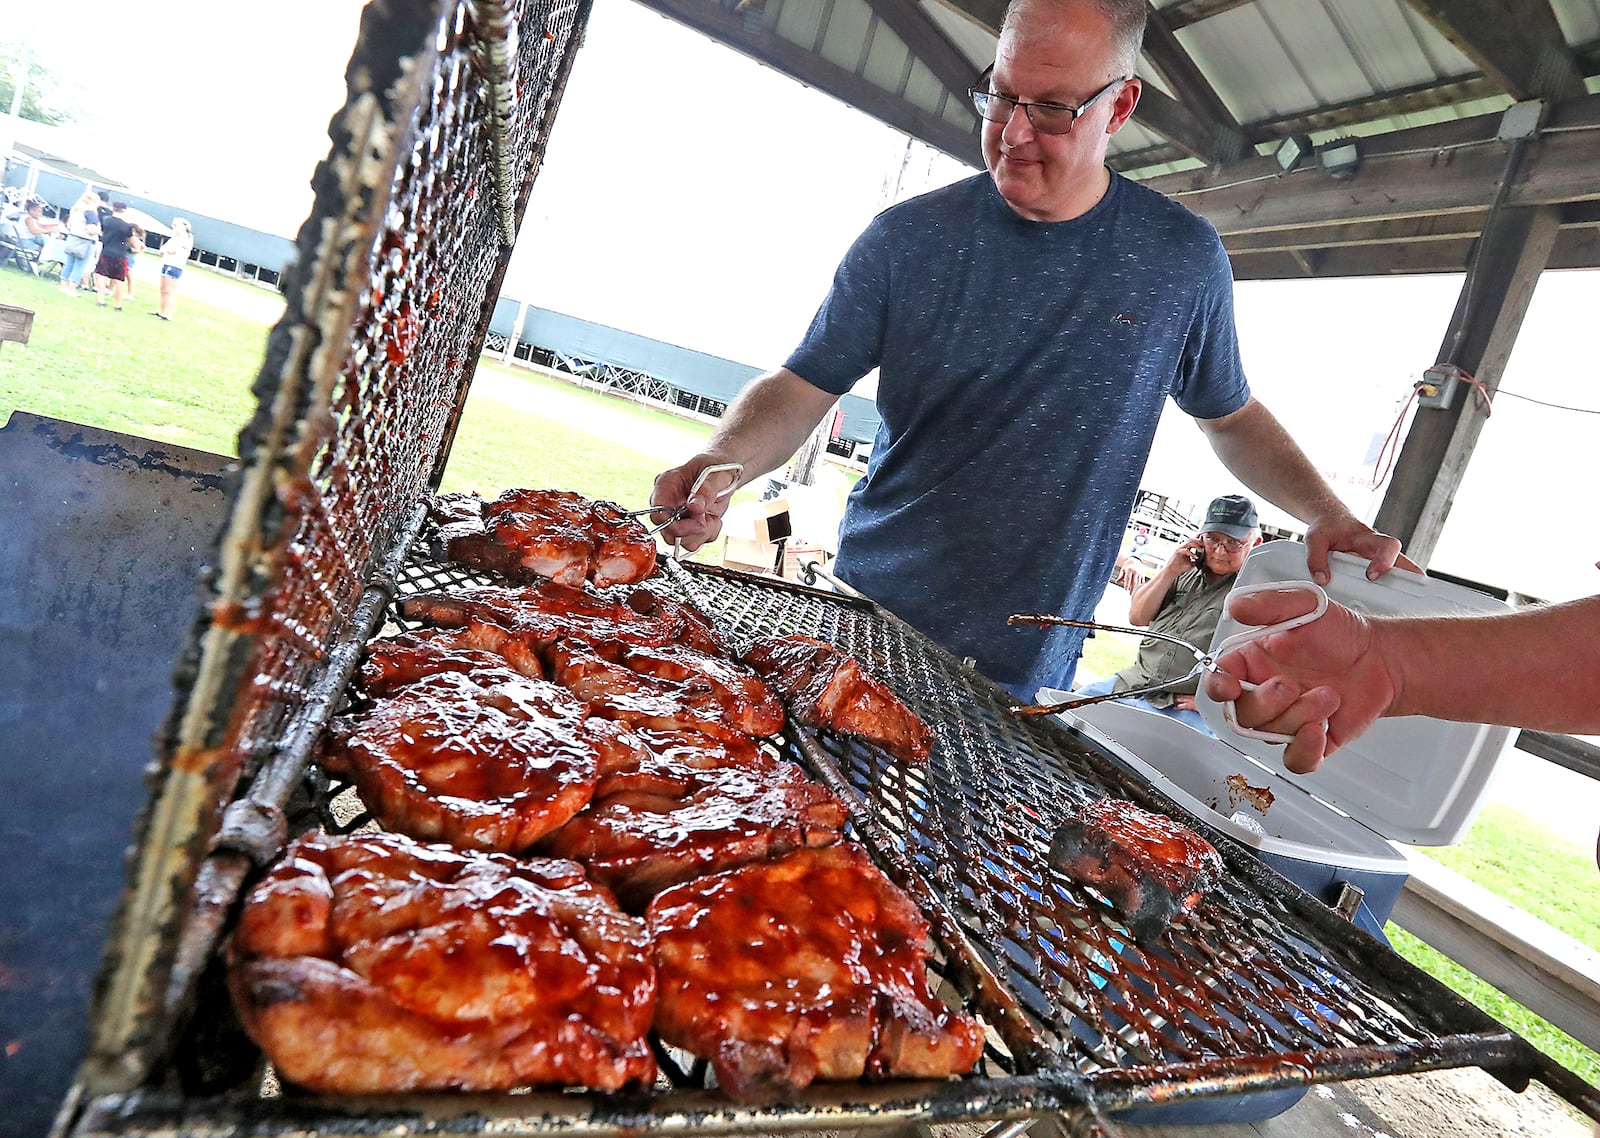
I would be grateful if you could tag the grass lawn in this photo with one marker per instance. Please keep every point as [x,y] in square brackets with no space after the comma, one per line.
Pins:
[1537,870]
[185,382]
[188,382]
[1106,654]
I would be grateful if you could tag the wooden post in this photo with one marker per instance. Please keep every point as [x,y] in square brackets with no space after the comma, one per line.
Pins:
[1494,299]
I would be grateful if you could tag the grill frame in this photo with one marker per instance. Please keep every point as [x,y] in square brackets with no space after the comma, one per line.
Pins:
[360,399]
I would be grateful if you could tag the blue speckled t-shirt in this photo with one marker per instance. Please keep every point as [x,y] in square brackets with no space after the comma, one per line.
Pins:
[1022,370]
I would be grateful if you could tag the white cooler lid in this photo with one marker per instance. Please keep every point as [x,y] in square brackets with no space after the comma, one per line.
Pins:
[1410,778]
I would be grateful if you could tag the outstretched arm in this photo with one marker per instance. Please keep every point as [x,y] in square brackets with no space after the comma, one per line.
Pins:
[1255,447]
[1327,682]
[762,428]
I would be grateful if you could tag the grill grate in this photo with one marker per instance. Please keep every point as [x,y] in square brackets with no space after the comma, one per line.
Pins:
[1246,977]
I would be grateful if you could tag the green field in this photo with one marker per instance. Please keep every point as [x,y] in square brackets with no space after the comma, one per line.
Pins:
[188,383]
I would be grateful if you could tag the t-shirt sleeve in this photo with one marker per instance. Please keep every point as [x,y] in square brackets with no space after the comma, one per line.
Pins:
[1211,381]
[845,338]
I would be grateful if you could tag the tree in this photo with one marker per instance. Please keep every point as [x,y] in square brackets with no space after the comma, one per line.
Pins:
[47,98]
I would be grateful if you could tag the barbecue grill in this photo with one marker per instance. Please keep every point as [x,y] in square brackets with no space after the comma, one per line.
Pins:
[364,381]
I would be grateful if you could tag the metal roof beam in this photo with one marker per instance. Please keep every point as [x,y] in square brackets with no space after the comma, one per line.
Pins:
[1336,118]
[1438,227]
[797,62]
[1573,249]
[928,44]
[1192,134]
[987,14]
[1517,43]
[1193,91]
[1186,12]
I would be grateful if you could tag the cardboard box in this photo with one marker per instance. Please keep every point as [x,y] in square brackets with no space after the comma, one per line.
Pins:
[749,555]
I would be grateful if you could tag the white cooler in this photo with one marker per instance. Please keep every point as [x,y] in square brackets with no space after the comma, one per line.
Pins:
[1416,780]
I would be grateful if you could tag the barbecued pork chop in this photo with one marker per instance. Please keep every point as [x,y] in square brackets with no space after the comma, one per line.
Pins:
[826,688]
[491,761]
[396,661]
[545,612]
[810,966]
[1152,870]
[375,965]
[693,806]
[555,534]
[733,705]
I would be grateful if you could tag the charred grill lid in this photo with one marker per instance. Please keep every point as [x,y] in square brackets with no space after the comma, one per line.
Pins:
[449,110]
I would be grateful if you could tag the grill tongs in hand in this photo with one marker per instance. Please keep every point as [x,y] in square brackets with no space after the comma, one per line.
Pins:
[1204,661]
[677,513]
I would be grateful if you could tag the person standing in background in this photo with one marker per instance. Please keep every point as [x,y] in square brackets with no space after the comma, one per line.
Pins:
[135,247]
[83,234]
[111,271]
[174,256]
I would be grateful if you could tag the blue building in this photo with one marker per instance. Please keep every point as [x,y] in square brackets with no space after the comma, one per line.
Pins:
[651,369]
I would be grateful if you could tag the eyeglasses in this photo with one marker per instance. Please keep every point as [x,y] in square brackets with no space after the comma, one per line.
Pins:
[1223,542]
[1046,118]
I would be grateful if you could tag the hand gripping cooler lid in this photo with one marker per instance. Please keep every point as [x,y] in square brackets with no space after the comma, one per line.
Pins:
[1410,778]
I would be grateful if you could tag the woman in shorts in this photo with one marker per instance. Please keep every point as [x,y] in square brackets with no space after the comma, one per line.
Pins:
[174,256]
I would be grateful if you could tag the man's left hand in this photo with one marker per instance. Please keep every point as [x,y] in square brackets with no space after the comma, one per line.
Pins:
[1348,534]
[1184,703]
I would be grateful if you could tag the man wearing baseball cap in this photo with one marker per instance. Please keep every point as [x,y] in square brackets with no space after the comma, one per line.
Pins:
[1184,599]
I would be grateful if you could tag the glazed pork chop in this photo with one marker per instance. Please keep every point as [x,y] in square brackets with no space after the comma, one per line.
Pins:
[543,613]
[556,534]
[694,806]
[490,761]
[826,688]
[1151,869]
[374,965]
[809,966]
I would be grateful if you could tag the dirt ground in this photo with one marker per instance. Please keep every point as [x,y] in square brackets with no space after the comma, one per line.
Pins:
[1467,1102]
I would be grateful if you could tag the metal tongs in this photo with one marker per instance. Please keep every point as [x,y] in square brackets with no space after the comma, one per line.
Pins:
[677,513]
[1205,661]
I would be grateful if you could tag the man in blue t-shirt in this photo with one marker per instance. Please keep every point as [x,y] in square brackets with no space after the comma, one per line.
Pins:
[1027,325]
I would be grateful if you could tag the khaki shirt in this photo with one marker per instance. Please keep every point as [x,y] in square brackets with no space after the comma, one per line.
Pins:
[1191,609]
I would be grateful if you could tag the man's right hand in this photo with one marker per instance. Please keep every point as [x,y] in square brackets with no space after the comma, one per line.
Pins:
[1324,683]
[702,520]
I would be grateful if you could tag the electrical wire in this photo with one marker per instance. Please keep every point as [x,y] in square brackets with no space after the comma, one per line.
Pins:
[1391,446]
[1483,392]
[1542,403]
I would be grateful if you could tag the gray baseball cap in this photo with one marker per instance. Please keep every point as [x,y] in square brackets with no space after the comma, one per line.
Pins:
[1231,514]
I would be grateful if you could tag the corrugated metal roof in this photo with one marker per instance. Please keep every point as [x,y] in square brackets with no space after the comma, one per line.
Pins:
[1228,80]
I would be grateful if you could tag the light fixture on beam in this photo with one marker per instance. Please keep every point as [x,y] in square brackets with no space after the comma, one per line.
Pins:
[1292,151]
[1340,158]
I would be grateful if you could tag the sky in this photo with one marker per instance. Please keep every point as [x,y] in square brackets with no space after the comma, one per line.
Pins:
[692,195]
